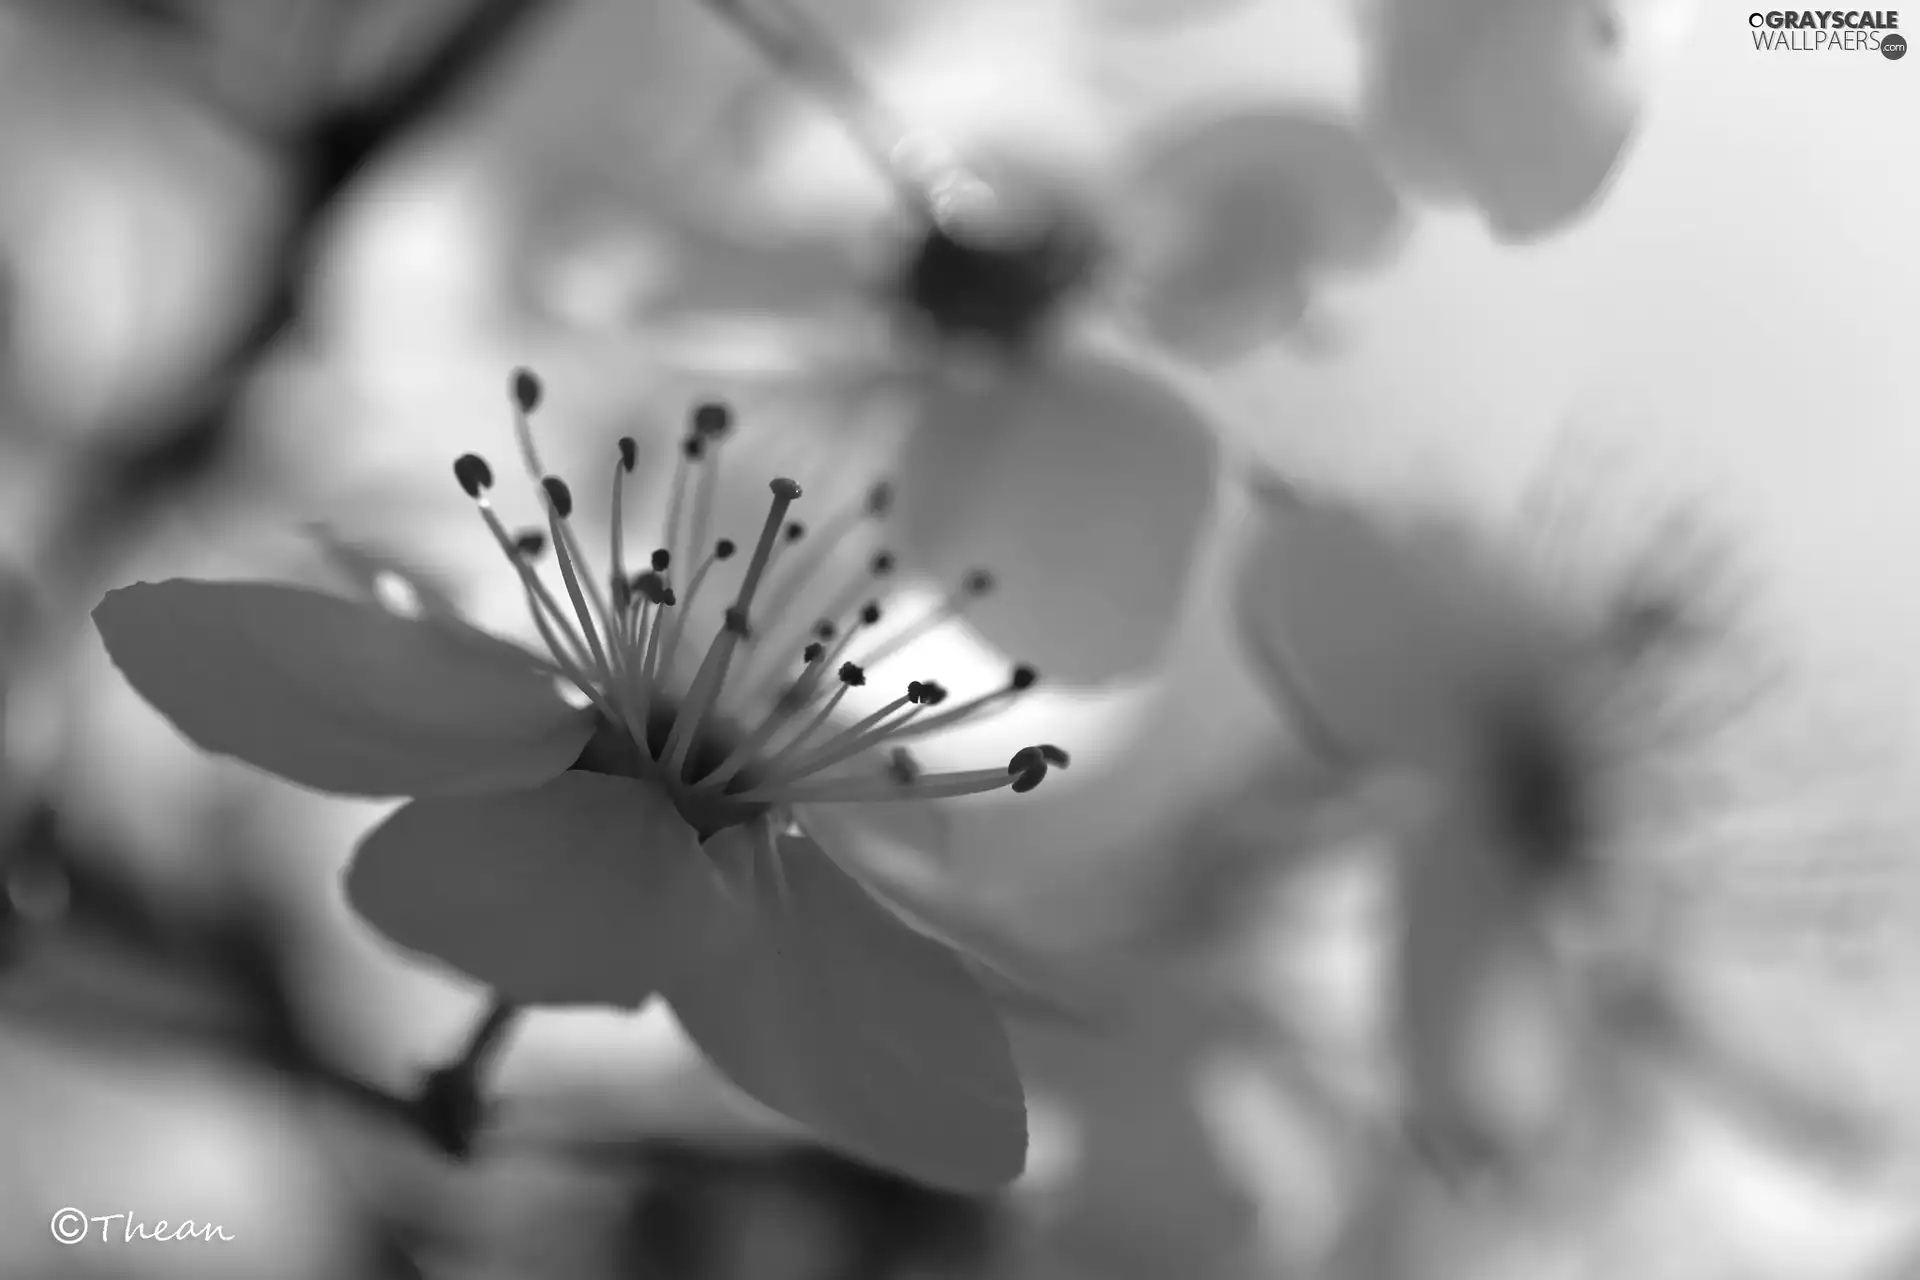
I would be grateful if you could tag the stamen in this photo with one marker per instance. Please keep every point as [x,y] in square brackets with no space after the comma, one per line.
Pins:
[722,550]
[713,670]
[559,507]
[976,584]
[875,506]
[855,738]
[711,422]
[629,454]
[531,543]
[1023,773]
[779,714]
[777,766]
[553,623]
[1022,679]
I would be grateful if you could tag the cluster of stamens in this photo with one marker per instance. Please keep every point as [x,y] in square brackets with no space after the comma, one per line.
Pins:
[619,645]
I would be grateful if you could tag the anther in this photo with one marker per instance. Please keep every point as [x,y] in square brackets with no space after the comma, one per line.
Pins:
[559,495]
[880,499]
[851,675]
[712,418]
[735,620]
[1053,755]
[474,474]
[1023,678]
[795,531]
[694,447]
[813,652]
[661,559]
[526,389]
[870,613]
[629,453]
[825,630]
[785,489]
[882,564]
[724,549]
[977,583]
[530,543]
[932,693]
[1027,768]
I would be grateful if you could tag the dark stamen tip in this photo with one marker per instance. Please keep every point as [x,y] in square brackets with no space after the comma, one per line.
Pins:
[880,499]
[882,564]
[473,473]
[870,612]
[667,597]
[914,689]
[852,675]
[784,488]
[736,622]
[1054,755]
[712,419]
[813,652]
[629,453]
[695,447]
[724,549]
[825,630]
[661,559]
[530,543]
[978,583]
[526,390]
[795,531]
[558,495]
[933,693]
[652,586]
[1028,768]
[1023,677]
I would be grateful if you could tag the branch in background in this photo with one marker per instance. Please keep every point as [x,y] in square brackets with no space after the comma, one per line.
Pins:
[327,155]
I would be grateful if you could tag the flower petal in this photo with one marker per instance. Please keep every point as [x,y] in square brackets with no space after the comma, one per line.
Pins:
[341,697]
[1522,107]
[1082,483]
[1388,644]
[1488,1028]
[586,890]
[1242,214]
[814,999]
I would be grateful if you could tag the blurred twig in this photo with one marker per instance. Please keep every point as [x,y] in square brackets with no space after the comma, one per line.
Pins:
[326,155]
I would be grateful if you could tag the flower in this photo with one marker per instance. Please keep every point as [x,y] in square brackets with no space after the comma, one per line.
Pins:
[1555,745]
[654,840]
[1028,309]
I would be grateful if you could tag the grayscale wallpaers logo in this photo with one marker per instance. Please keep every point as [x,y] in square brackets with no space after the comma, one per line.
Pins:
[1829,30]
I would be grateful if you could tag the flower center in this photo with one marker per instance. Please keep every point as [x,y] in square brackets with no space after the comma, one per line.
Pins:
[1001,290]
[741,732]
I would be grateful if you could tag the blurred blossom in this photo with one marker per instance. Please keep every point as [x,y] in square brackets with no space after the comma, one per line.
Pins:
[1522,110]
[1632,772]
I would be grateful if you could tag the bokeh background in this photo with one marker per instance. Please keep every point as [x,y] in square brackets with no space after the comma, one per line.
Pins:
[264,265]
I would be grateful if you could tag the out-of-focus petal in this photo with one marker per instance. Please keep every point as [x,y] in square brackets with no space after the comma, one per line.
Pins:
[1083,484]
[1389,644]
[813,998]
[338,696]
[586,890]
[1521,107]
[1239,217]
[1489,1028]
